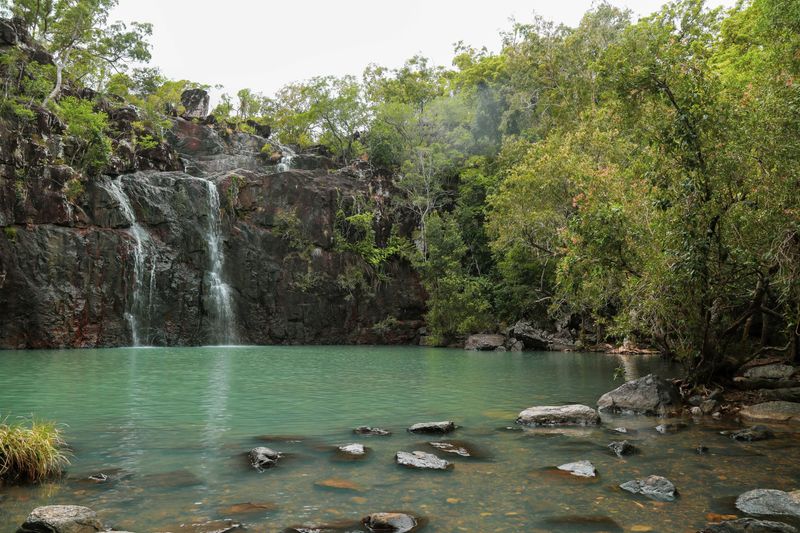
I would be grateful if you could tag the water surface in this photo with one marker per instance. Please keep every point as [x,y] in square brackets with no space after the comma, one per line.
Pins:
[170,426]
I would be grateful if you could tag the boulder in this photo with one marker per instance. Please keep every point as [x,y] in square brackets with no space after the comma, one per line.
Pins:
[61,519]
[580,469]
[352,449]
[773,371]
[445,426]
[654,487]
[262,458]
[262,130]
[389,522]
[708,406]
[770,502]
[536,338]
[621,448]
[484,342]
[559,415]
[195,103]
[752,434]
[650,395]
[422,460]
[749,525]
[787,394]
[775,411]
[367,430]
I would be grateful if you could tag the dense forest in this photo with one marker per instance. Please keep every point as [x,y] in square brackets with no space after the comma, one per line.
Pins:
[634,180]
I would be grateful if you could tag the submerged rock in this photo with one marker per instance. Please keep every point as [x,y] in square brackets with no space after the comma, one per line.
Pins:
[584,523]
[776,411]
[367,430]
[452,447]
[621,448]
[749,525]
[670,428]
[752,434]
[650,395]
[579,468]
[340,484]
[389,522]
[560,415]
[655,487]
[433,427]
[484,342]
[421,460]
[770,502]
[262,458]
[61,519]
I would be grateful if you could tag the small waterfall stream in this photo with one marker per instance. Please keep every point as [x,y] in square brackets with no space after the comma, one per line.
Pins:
[141,306]
[287,155]
[219,292]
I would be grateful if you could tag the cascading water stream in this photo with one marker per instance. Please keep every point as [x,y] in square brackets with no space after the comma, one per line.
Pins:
[219,292]
[287,155]
[140,309]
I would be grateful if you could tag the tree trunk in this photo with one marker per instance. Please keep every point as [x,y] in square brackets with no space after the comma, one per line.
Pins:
[57,89]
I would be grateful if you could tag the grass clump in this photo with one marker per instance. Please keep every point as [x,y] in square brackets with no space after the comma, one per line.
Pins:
[31,451]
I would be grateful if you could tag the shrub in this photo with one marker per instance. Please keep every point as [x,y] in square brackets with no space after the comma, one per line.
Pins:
[31,452]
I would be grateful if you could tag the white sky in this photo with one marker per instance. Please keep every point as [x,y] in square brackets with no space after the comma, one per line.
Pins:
[266,44]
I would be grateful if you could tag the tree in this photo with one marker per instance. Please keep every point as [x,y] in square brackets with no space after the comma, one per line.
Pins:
[80,38]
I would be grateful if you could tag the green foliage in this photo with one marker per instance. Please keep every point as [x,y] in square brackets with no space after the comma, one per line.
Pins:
[356,234]
[31,451]
[11,233]
[73,189]
[88,128]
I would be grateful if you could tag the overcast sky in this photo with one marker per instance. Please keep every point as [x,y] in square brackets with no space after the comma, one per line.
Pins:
[265,44]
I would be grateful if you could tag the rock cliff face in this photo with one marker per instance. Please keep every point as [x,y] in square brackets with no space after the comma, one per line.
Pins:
[203,240]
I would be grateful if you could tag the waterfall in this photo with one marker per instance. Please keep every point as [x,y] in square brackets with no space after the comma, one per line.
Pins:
[219,292]
[140,309]
[287,155]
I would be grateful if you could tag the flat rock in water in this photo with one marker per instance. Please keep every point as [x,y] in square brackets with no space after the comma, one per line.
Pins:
[389,522]
[352,449]
[749,525]
[773,371]
[445,426]
[621,448]
[650,395]
[777,411]
[655,487]
[770,502]
[559,415]
[61,519]
[752,434]
[423,460]
[367,430]
[262,458]
[580,469]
